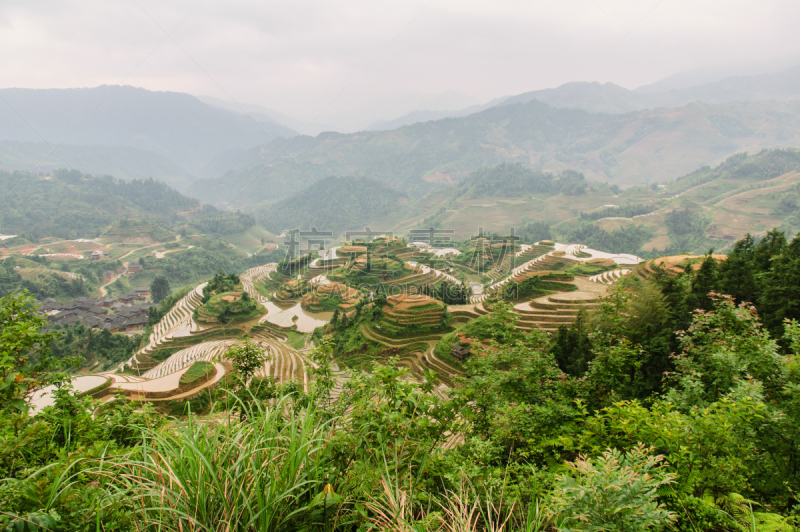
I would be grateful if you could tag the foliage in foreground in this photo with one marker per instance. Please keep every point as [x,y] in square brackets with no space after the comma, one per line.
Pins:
[617,424]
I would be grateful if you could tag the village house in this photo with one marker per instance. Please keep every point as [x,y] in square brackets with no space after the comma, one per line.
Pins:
[106,302]
[122,325]
[83,303]
[134,267]
[142,292]
[127,298]
[97,311]
[133,311]
[98,255]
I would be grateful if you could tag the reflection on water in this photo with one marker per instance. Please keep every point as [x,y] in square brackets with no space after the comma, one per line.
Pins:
[306,321]
[82,383]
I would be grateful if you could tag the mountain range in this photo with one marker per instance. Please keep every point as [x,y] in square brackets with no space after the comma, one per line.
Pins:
[649,146]
[243,155]
[176,126]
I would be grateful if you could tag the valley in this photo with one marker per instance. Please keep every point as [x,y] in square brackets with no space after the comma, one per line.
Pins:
[518,309]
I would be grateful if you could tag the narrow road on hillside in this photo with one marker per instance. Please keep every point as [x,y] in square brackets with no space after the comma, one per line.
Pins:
[102,290]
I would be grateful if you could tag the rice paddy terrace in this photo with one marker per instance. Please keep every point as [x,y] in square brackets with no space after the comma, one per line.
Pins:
[547,313]
[155,372]
[326,295]
[409,328]
[572,266]
[672,265]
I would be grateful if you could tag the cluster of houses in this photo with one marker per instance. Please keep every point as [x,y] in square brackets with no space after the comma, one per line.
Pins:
[126,313]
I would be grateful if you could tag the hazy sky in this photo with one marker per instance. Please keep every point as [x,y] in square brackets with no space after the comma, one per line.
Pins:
[299,56]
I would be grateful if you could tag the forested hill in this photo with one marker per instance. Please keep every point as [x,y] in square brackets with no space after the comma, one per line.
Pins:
[741,169]
[509,180]
[69,204]
[336,204]
[650,146]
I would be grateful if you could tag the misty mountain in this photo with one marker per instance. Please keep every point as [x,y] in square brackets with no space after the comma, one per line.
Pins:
[648,146]
[176,126]
[122,162]
[611,98]
[784,85]
[714,73]
[262,114]
[427,116]
[589,96]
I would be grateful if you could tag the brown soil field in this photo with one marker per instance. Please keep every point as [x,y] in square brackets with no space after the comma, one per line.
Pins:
[528,275]
[351,249]
[733,226]
[674,263]
[657,243]
[601,262]
[405,302]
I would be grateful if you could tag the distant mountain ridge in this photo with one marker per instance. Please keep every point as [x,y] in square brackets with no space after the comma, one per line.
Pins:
[611,98]
[176,126]
[629,139]
[122,162]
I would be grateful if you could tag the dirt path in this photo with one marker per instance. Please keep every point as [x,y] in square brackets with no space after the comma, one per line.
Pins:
[139,249]
[102,289]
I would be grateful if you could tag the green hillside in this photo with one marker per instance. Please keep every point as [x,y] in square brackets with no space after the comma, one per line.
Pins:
[648,146]
[335,203]
[710,207]
[517,180]
[69,204]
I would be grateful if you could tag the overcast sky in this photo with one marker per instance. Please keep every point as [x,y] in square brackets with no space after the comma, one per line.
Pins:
[299,56]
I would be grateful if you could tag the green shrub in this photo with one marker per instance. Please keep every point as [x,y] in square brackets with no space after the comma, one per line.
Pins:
[616,492]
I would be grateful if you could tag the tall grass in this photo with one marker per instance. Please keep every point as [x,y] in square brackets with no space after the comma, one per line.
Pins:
[274,468]
[260,475]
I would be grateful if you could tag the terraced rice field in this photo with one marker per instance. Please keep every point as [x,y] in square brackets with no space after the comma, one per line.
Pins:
[177,323]
[254,276]
[284,363]
[417,309]
[541,263]
[547,313]
[349,296]
[437,274]
[207,351]
[609,277]
[416,350]
[672,265]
